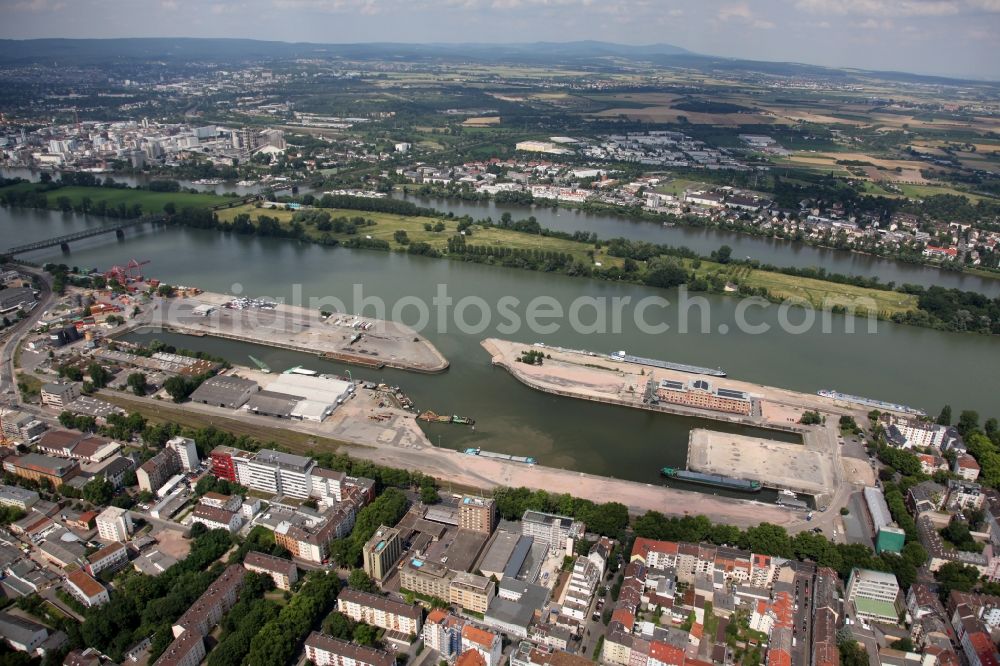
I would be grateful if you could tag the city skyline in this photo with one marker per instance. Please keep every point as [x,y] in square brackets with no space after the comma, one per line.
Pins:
[898,35]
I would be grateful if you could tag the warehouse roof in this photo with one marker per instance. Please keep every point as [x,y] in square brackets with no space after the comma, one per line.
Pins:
[224,390]
[272,403]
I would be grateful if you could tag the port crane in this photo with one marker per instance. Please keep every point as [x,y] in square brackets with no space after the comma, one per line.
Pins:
[127,273]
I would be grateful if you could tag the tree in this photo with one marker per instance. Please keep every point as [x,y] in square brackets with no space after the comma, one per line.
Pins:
[944,418]
[365,634]
[137,382]
[98,491]
[852,653]
[338,625]
[99,375]
[968,422]
[179,387]
[360,580]
[955,576]
[724,254]
[401,237]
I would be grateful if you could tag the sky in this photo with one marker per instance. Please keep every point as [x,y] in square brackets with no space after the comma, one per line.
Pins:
[946,37]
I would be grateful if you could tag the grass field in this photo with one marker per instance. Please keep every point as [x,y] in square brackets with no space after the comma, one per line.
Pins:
[816,292]
[167,412]
[152,202]
[386,225]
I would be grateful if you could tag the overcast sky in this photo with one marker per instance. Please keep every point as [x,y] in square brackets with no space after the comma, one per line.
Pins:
[949,37]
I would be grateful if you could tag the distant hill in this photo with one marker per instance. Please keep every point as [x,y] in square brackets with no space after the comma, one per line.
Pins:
[580,53]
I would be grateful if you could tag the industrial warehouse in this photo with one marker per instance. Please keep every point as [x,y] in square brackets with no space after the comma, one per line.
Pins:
[299,394]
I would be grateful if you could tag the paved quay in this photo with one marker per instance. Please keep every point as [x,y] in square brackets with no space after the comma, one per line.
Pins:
[343,337]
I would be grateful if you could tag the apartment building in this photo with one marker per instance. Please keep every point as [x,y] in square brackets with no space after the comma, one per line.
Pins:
[188,650]
[113,556]
[379,611]
[37,467]
[87,591]
[215,518]
[911,433]
[323,650]
[307,534]
[552,530]
[208,609]
[22,426]
[114,524]
[430,578]
[186,451]
[156,471]
[486,643]
[471,592]
[283,572]
[443,633]
[381,552]
[874,594]
[478,514]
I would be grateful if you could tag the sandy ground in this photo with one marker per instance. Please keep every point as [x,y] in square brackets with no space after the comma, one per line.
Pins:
[304,329]
[172,542]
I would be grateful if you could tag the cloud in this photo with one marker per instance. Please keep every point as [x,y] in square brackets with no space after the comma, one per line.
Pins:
[37,6]
[742,13]
[888,8]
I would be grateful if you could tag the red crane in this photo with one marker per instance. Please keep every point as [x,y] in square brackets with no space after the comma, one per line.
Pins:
[128,273]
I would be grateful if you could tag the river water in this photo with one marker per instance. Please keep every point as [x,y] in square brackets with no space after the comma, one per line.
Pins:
[703,241]
[920,367]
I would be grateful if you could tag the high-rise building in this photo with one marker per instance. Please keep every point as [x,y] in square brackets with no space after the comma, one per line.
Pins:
[478,514]
[114,524]
[556,532]
[186,451]
[382,552]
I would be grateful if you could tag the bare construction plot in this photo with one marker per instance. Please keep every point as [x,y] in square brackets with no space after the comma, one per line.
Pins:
[795,467]
[341,337]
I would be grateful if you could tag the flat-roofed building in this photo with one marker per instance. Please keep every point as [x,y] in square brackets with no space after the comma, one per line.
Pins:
[471,592]
[478,514]
[423,577]
[323,650]
[874,594]
[59,394]
[381,552]
[225,391]
[88,591]
[700,394]
[379,611]
[552,530]
[283,572]
[37,467]
[20,498]
[19,425]
[114,524]
[443,633]
[307,534]
[187,452]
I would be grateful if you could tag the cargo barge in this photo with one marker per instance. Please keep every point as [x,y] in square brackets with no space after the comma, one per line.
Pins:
[527,460]
[667,365]
[792,503]
[717,480]
[871,402]
[432,417]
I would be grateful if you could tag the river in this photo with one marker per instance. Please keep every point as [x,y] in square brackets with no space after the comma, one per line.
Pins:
[920,367]
[704,241]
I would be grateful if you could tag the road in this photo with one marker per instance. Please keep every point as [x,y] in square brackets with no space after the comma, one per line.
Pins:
[13,337]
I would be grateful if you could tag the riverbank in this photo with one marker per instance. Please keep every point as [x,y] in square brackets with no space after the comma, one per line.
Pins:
[436,237]
[363,341]
[112,201]
[407,447]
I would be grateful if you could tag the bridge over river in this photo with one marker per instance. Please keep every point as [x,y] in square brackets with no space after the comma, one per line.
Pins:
[63,241]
